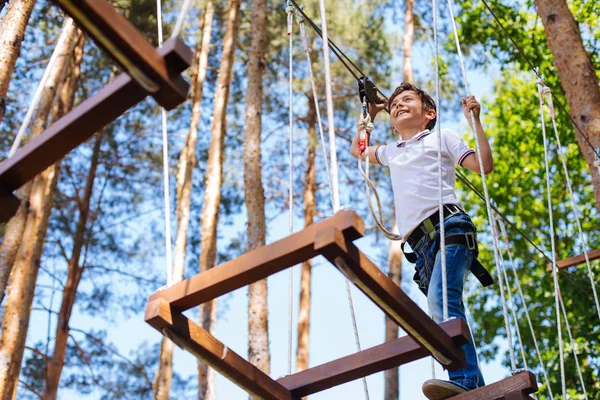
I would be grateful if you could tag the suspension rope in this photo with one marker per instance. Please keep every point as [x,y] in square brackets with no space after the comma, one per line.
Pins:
[553,247]
[485,188]
[511,303]
[539,76]
[440,171]
[40,88]
[290,23]
[524,302]
[181,18]
[165,148]
[546,91]
[300,19]
[573,343]
[333,158]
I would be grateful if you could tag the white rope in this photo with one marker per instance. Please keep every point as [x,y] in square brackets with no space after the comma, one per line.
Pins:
[330,116]
[365,127]
[181,18]
[333,157]
[300,20]
[440,181]
[165,147]
[585,246]
[511,303]
[573,343]
[525,307]
[40,88]
[554,268]
[290,23]
[485,190]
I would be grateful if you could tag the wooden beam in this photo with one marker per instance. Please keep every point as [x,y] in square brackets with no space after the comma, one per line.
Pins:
[376,359]
[257,264]
[209,350]
[342,253]
[128,47]
[83,122]
[523,382]
[576,260]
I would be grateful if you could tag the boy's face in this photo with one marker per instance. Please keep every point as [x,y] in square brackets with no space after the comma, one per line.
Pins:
[407,112]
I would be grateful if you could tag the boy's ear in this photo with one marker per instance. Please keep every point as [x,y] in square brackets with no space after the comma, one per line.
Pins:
[430,114]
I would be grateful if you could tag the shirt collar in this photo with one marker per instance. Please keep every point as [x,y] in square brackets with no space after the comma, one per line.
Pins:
[417,137]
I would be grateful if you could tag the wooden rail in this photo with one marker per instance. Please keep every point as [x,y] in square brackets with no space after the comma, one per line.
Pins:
[576,260]
[516,387]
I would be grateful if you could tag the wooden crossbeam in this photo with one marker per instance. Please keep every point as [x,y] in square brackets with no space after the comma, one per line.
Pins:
[9,204]
[128,47]
[208,349]
[576,260]
[257,264]
[80,124]
[521,384]
[376,359]
[357,267]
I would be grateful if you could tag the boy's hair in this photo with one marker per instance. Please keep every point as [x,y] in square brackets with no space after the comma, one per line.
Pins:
[427,101]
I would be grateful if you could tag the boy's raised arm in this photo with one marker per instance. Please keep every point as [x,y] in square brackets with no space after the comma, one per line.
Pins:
[472,161]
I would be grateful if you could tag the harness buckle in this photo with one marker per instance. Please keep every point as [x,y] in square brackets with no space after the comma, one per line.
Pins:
[453,208]
[471,240]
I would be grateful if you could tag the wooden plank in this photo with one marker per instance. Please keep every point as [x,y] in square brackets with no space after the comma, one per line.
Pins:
[376,359]
[522,382]
[209,350]
[257,264]
[576,260]
[128,47]
[81,123]
[342,253]
[9,205]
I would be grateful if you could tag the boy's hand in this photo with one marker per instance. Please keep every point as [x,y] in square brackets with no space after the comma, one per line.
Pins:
[470,103]
[380,104]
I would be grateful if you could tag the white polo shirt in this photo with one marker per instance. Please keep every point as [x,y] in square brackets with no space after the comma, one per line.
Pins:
[413,168]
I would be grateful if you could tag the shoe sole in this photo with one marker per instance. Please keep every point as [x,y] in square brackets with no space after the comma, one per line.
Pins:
[435,389]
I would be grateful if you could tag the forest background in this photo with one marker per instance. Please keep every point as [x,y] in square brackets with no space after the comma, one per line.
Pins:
[102,252]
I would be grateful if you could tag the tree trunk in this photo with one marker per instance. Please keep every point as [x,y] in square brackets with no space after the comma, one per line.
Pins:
[392,389]
[26,266]
[11,36]
[407,43]
[310,210]
[577,77]
[214,172]
[187,162]
[258,314]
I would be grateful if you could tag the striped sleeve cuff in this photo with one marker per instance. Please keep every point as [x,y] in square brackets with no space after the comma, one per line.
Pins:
[377,154]
[465,155]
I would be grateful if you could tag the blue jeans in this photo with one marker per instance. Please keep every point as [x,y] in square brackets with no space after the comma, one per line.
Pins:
[458,264]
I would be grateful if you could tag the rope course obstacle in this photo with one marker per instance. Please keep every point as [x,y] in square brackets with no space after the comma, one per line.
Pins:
[149,71]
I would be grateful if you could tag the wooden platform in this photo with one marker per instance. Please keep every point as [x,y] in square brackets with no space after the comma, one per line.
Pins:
[516,387]
[149,71]
[576,260]
[333,239]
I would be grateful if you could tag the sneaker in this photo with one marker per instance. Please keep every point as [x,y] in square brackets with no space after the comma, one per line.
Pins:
[437,389]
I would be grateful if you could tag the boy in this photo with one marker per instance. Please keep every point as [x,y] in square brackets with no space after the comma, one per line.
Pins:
[413,164]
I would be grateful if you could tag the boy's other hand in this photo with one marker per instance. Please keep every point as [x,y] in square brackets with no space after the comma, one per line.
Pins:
[470,103]
[379,105]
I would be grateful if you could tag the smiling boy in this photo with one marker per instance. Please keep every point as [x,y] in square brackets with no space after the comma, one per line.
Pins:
[413,164]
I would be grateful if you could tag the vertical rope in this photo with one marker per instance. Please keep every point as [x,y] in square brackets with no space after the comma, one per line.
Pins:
[165,147]
[584,244]
[485,190]
[40,88]
[511,302]
[554,268]
[300,20]
[290,24]
[440,180]
[573,344]
[181,18]
[330,118]
[524,302]
[333,158]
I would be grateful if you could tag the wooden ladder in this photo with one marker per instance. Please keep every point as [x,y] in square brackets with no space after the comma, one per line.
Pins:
[149,71]
[333,238]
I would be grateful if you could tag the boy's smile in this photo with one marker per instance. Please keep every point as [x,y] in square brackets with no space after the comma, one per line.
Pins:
[408,115]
